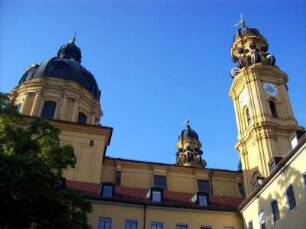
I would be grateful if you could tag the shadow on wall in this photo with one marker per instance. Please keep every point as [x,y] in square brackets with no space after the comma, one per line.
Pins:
[285,205]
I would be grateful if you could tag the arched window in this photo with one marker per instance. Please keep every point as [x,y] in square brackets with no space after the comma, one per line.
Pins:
[82,118]
[48,109]
[247,116]
[273,109]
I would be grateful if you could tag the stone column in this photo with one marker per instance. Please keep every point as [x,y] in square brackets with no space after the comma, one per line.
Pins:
[75,110]
[37,104]
[62,110]
[23,109]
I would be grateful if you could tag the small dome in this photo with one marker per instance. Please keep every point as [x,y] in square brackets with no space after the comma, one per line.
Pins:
[188,133]
[247,31]
[65,66]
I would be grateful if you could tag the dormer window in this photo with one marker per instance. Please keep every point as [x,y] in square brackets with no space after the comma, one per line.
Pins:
[201,198]
[155,194]
[107,190]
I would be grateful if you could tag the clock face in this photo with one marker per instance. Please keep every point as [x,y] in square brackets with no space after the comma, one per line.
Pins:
[270,89]
[243,98]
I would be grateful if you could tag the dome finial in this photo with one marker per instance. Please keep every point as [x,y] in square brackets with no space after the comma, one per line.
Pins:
[241,22]
[72,41]
[186,123]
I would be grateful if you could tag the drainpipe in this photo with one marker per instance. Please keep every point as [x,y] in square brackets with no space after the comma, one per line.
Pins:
[144,215]
[210,174]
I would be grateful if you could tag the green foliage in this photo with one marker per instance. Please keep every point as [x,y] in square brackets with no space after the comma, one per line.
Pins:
[31,164]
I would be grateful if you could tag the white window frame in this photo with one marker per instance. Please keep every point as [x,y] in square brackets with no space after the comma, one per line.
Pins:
[104,218]
[131,221]
[158,224]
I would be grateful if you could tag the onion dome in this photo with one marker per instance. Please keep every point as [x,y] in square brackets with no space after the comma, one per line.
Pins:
[249,47]
[189,153]
[188,133]
[66,65]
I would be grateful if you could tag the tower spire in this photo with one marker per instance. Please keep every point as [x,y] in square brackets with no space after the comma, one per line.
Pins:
[241,22]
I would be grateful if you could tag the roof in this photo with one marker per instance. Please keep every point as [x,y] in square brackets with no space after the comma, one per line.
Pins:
[171,199]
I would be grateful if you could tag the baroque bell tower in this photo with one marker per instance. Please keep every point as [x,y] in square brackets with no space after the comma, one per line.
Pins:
[264,115]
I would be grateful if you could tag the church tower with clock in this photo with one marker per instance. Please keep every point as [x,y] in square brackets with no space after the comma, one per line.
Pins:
[264,115]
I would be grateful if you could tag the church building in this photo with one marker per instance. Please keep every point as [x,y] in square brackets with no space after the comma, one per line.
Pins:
[269,191]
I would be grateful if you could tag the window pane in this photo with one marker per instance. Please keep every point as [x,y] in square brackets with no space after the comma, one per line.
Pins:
[48,110]
[107,191]
[104,223]
[262,217]
[156,196]
[205,227]
[82,118]
[181,226]
[155,225]
[130,224]
[304,180]
[160,182]
[275,210]
[203,186]
[202,200]
[291,197]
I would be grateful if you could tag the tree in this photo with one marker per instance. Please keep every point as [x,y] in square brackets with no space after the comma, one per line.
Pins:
[31,168]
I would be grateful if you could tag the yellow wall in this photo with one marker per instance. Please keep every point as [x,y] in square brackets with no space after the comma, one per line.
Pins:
[70,97]
[194,218]
[89,158]
[290,174]
[179,179]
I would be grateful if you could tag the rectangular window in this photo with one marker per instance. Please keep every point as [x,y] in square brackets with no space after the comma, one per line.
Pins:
[130,224]
[203,186]
[205,227]
[241,189]
[105,223]
[262,220]
[291,198]
[156,196]
[250,225]
[118,177]
[203,200]
[160,182]
[155,225]
[107,190]
[275,211]
[181,226]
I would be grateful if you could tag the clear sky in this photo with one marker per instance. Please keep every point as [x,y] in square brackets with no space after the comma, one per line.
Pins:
[157,62]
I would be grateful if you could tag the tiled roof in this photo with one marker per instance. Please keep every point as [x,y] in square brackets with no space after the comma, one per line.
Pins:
[171,199]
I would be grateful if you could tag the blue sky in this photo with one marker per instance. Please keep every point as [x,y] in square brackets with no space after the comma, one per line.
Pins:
[157,62]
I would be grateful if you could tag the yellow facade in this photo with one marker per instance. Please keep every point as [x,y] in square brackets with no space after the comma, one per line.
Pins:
[139,174]
[291,173]
[169,217]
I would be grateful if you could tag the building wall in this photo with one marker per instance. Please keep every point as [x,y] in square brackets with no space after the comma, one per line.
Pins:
[179,179]
[290,174]
[70,97]
[89,144]
[145,214]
